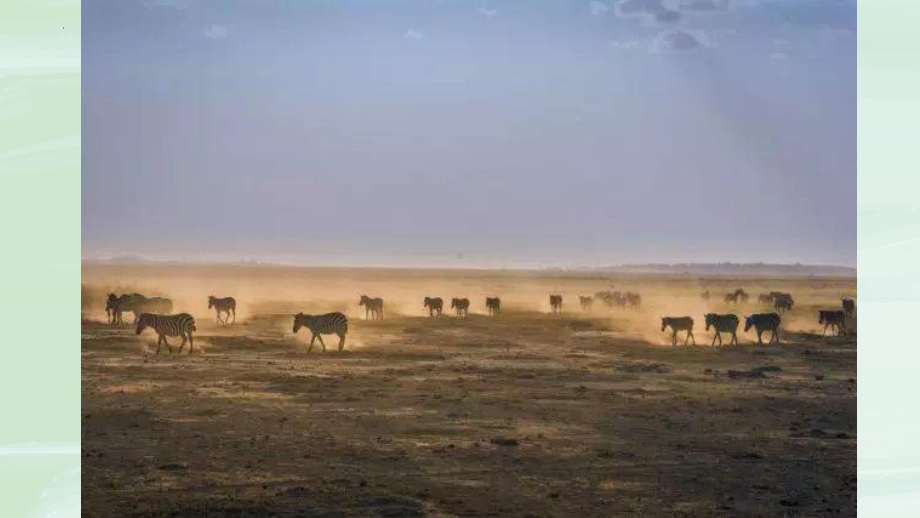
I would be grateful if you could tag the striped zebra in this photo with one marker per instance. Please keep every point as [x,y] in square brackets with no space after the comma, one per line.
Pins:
[462,306]
[182,325]
[765,300]
[836,319]
[731,298]
[763,322]
[223,305]
[678,324]
[319,325]
[494,305]
[372,306]
[555,303]
[849,306]
[723,324]
[783,302]
[586,303]
[434,305]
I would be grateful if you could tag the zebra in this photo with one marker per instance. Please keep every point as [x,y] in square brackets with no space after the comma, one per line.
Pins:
[555,303]
[373,306]
[849,306]
[723,324]
[678,324]
[586,303]
[741,295]
[133,303]
[330,323]
[731,298]
[182,325]
[462,306]
[494,305]
[633,300]
[783,302]
[764,299]
[434,305]
[764,322]
[111,305]
[223,305]
[833,319]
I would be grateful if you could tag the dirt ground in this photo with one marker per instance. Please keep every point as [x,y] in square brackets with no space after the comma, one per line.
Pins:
[524,414]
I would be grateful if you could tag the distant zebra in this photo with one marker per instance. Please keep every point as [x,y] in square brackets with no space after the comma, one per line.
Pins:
[555,303]
[111,304]
[678,324]
[434,305]
[462,306]
[633,300]
[330,323]
[741,295]
[835,319]
[723,324]
[849,306]
[731,298]
[134,303]
[182,325]
[783,302]
[494,305]
[763,322]
[765,299]
[586,303]
[224,305]
[374,307]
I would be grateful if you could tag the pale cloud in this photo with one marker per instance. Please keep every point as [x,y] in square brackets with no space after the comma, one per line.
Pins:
[488,13]
[216,32]
[779,55]
[680,41]
[598,8]
[413,34]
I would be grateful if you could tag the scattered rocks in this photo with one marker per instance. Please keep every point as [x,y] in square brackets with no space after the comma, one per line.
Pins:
[657,368]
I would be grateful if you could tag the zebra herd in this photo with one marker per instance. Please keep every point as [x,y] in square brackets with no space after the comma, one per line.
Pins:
[728,323]
[154,312]
[612,299]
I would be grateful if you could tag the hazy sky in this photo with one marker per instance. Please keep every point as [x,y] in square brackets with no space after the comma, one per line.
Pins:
[513,132]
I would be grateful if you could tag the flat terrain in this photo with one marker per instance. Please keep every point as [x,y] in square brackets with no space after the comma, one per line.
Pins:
[525,414]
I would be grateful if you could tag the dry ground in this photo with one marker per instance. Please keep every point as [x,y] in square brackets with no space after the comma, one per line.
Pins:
[526,414]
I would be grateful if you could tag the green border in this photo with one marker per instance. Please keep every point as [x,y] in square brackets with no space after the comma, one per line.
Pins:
[40,262]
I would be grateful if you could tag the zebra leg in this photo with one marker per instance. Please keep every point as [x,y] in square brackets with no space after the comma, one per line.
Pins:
[182,346]
[674,339]
[234,315]
[311,342]
[775,336]
[734,340]
[321,342]
[341,342]
[165,341]
[191,342]
[159,341]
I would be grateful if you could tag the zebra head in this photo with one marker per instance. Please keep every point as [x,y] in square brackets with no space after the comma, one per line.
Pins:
[299,321]
[710,320]
[364,300]
[143,321]
[211,301]
[748,322]
[664,323]
[111,301]
[427,301]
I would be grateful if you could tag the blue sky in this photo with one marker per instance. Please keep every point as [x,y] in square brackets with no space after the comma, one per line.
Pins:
[514,133]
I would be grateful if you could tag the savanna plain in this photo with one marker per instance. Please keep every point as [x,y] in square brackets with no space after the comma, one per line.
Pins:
[527,413]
